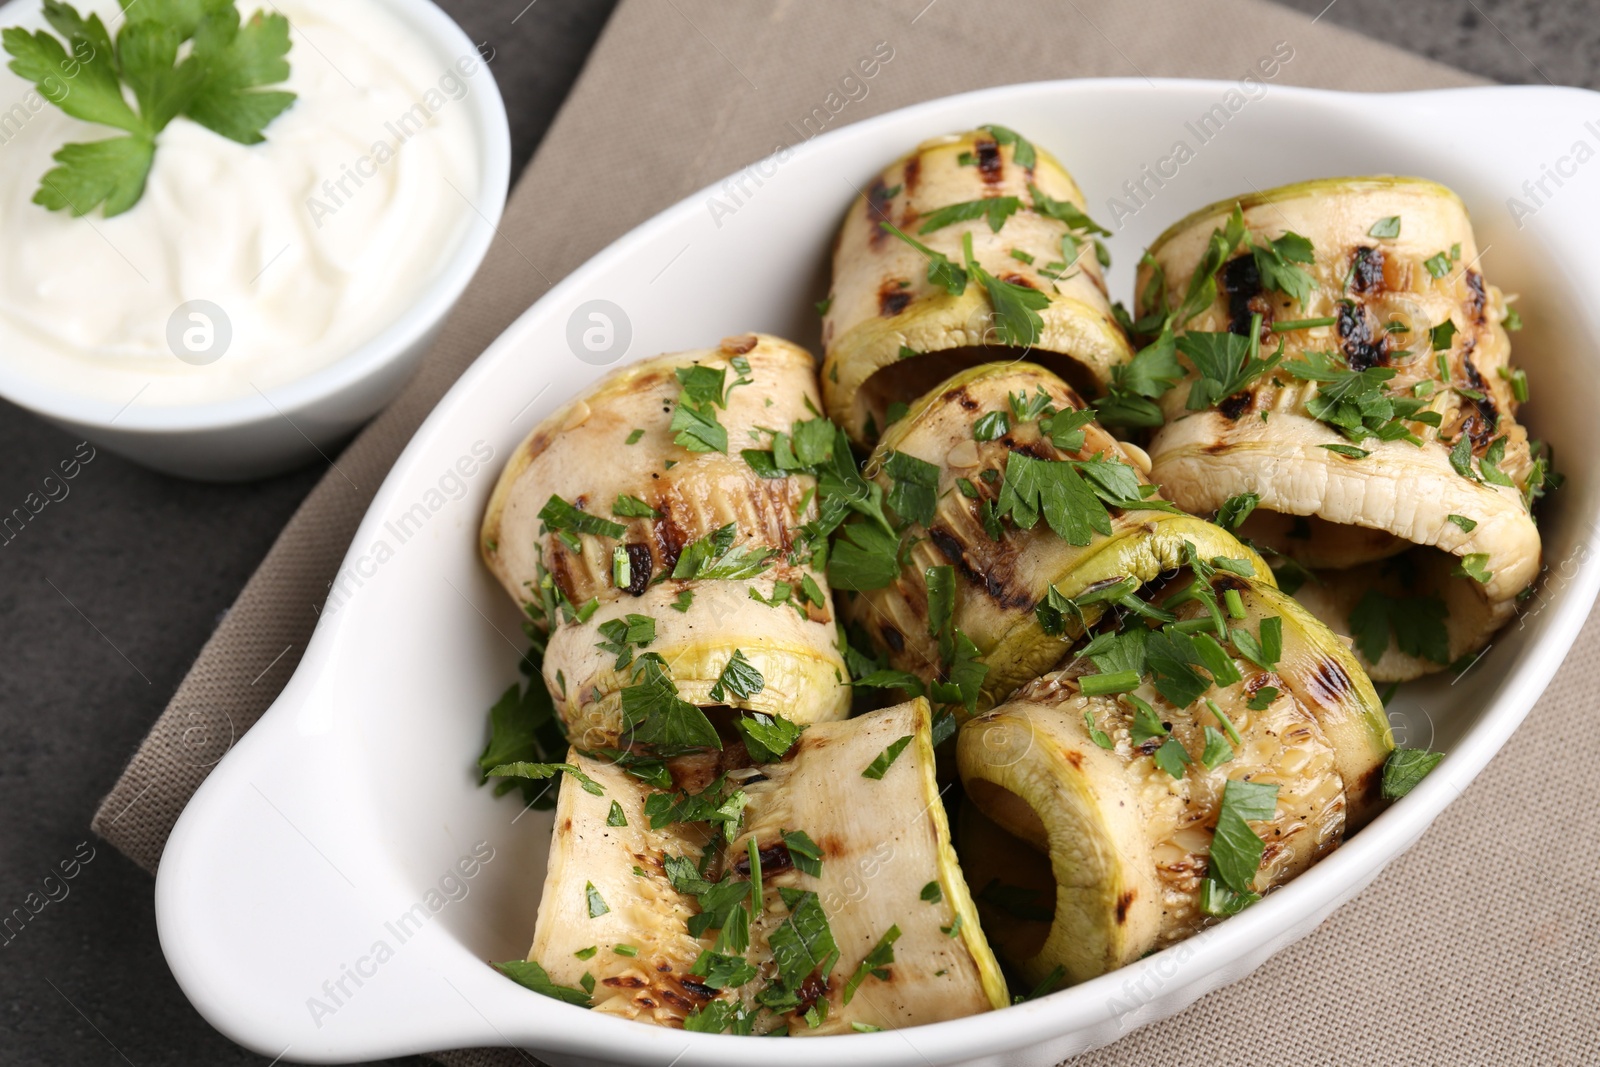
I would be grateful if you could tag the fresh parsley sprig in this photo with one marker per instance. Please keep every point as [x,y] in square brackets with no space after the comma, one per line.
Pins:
[217,83]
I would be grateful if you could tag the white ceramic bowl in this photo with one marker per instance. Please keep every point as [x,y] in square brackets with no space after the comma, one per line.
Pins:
[306,419]
[350,803]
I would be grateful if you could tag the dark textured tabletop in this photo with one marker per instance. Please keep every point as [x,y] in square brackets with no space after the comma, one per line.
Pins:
[108,593]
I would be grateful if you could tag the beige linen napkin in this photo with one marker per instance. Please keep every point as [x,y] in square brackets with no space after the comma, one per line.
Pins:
[1479,946]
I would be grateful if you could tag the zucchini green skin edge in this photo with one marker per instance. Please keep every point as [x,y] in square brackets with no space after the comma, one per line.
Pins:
[1325,676]
[1011,642]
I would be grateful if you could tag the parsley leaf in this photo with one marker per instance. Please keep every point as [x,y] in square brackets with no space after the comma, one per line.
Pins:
[864,556]
[597,903]
[1474,565]
[621,635]
[1016,307]
[766,737]
[1022,152]
[1276,261]
[995,209]
[1467,525]
[804,852]
[541,771]
[739,677]
[1064,211]
[631,507]
[1235,849]
[654,714]
[914,492]
[991,427]
[1385,227]
[875,963]
[1415,623]
[558,515]
[238,60]
[1226,363]
[1172,757]
[713,558]
[941,271]
[214,84]
[1054,490]
[1236,509]
[531,975]
[803,943]
[1404,768]
[1097,735]
[885,759]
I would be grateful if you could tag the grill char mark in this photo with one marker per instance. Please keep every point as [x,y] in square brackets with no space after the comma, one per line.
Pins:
[1355,333]
[639,568]
[990,165]
[892,298]
[1366,270]
[992,580]
[877,209]
[1241,281]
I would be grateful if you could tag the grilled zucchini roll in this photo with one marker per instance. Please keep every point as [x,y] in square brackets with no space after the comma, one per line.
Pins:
[971,245]
[1159,797]
[775,899]
[1346,369]
[630,527]
[1024,520]
[611,922]
[910,949]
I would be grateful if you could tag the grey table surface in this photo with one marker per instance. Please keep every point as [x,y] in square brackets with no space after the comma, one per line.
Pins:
[107,596]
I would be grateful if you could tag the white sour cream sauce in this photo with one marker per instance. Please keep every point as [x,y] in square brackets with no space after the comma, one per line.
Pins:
[311,243]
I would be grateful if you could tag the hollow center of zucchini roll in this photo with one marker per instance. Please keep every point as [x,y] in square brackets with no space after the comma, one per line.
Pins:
[1315,542]
[1008,810]
[904,382]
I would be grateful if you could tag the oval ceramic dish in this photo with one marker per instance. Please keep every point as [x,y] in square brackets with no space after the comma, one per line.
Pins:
[312,900]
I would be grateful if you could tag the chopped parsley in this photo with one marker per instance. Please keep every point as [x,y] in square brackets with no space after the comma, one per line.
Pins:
[914,488]
[1016,307]
[1404,768]
[1064,211]
[1474,565]
[1172,757]
[1236,850]
[596,902]
[994,209]
[1022,152]
[1217,751]
[739,677]
[1276,260]
[616,816]
[714,557]
[1226,363]
[1097,735]
[1438,264]
[994,425]
[942,273]
[1385,227]
[654,714]
[621,636]
[932,893]
[536,772]
[1415,624]
[805,853]
[531,975]
[631,507]
[767,737]
[1467,525]
[560,517]
[885,759]
[876,963]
